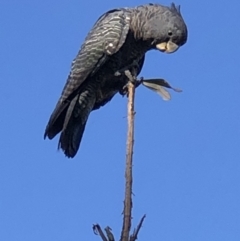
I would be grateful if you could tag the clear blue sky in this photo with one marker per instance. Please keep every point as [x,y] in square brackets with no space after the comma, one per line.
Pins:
[187,153]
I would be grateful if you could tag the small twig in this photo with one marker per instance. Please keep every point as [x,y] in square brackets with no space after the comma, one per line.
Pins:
[127,211]
[109,233]
[98,231]
[133,237]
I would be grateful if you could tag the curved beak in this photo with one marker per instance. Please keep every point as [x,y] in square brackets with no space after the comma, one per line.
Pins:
[167,47]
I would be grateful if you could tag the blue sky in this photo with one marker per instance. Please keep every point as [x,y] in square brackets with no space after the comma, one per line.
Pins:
[186,157]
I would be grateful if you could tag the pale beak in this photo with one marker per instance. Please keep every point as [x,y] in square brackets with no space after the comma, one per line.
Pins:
[167,47]
[162,46]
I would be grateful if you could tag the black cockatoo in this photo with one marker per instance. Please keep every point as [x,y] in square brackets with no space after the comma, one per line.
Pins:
[117,42]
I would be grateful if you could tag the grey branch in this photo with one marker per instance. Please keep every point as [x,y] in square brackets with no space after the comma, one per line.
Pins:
[153,84]
[98,231]
[127,211]
[109,233]
[133,237]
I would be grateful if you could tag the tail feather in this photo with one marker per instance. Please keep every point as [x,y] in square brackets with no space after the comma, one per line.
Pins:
[55,123]
[70,139]
[75,122]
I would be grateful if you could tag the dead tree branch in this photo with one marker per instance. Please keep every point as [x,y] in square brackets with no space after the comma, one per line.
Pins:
[127,211]
[133,237]
[98,231]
